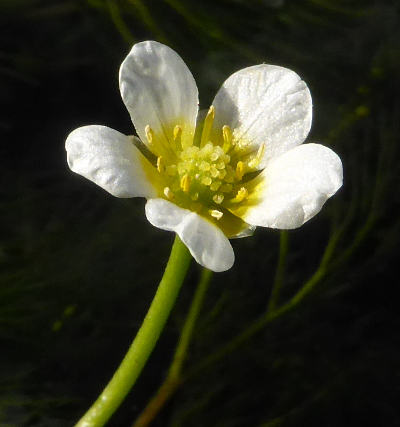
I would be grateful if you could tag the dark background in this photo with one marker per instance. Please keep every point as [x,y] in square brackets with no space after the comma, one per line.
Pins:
[78,268]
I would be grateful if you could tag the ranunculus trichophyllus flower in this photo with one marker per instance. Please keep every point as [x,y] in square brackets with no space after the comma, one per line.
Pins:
[214,176]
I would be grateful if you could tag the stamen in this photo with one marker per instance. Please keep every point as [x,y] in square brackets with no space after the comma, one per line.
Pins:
[185,183]
[253,163]
[218,198]
[240,196]
[195,196]
[149,133]
[177,137]
[168,193]
[177,133]
[160,164]
[227,136]
[208,122]
[216,214]
[239,170]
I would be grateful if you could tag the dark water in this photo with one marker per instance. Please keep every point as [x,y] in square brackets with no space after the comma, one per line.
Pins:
[78,267]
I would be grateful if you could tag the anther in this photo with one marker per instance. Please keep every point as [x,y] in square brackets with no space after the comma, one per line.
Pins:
[149,133]
[177,133]
[168,193]
[185,183]
[216,214]
[239,170]
[208,122]
[195,196]
[253,163]
[218,198]
[160,164]
[227,136]
[240,196]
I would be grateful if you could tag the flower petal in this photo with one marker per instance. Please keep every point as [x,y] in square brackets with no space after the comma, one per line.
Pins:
[293,187]
[111,160]
[264,104]
[206,242]
[158,90]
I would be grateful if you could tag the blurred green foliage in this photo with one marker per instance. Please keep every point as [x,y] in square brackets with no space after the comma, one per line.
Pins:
[79,268]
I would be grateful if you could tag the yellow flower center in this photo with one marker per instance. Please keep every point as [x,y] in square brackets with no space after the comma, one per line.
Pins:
[210,177]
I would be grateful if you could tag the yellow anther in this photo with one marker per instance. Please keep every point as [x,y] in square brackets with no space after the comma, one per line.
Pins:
[195,196]
[160,164]
[253,163]
[227,136]
[168,193]
[218,198]
[240,170]
[216,214]
[240,196]
[185,183]
[177,133]
[149,133]
[208,122]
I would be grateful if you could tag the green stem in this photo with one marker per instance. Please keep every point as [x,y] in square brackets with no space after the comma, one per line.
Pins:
[172,381]
[280,270]
[135,359]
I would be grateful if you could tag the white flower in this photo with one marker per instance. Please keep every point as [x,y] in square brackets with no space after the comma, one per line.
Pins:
[213,178]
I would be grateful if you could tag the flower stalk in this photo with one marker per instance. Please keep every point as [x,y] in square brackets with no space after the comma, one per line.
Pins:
[135,359]
[173,378]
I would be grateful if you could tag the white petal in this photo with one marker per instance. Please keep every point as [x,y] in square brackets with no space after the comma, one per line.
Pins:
[265,104]
[158,90]
[293,187]
[111,160]
[206,242]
